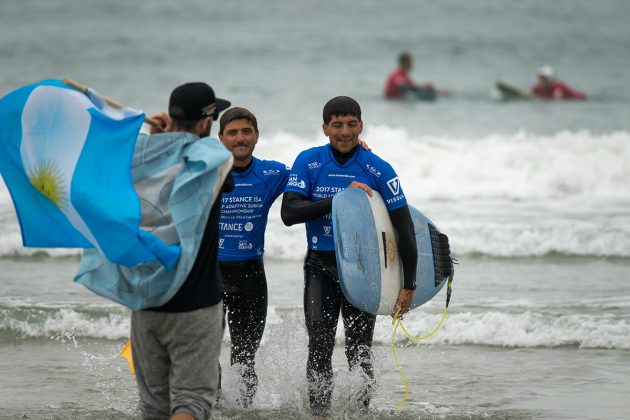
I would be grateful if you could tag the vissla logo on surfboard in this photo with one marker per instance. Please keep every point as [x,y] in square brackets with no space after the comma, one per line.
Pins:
[394,185]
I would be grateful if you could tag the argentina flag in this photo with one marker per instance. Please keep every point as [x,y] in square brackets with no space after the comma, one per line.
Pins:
[178,177]
[66,159]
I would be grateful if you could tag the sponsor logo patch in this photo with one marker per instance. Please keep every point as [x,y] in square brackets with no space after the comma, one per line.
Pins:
[394,185]
[373,170]
[293,182]
[244,245]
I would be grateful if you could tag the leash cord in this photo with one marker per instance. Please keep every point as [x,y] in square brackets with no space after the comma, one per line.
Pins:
[396,322]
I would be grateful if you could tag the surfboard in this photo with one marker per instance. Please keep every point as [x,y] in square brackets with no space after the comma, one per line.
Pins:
[510,92]
[368,262]
[425,93]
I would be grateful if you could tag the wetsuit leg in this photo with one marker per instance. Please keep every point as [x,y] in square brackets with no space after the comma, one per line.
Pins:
[359,328]
[322,302]
[245,297]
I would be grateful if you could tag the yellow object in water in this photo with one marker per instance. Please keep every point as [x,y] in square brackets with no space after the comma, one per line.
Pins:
[126,354]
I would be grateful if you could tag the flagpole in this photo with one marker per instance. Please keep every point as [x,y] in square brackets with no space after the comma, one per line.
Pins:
[110,102]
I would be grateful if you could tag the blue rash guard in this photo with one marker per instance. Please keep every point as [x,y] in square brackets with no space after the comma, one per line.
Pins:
[244,210]
[317,175]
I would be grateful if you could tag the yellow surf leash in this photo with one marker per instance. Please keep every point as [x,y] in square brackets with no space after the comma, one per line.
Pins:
[396,322]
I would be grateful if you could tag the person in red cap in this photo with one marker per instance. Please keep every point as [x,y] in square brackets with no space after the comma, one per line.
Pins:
[176,346]
[549,87]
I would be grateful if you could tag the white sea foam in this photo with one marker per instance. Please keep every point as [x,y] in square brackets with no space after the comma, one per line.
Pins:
[489,328]
[64,323]
[518,167]
[539,237]
[507,196]
[527,329]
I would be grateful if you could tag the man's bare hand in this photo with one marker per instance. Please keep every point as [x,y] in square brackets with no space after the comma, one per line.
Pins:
[164,121]
[362,186]
[403,302]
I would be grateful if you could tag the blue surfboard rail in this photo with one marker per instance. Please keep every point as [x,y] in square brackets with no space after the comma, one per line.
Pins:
[357,252]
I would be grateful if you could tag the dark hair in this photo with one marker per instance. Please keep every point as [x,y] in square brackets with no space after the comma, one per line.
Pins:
[180,124]
[404,58]
[237,113]
[339,106]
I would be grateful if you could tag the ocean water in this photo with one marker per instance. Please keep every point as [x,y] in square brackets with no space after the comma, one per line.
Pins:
[534,196]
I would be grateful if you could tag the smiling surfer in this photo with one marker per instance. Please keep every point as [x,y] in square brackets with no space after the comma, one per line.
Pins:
[316,176]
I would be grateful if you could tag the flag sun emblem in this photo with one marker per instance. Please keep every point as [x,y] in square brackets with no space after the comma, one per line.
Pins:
[47,178]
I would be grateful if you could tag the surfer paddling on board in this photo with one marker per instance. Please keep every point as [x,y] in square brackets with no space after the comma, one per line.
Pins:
[317,174]
[549,87]
[241,241]
[399,85]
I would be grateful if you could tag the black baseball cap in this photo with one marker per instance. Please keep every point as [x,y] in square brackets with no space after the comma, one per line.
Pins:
[194,101]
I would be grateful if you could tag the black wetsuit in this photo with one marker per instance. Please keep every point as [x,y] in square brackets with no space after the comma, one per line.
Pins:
[245,300]
[241,250]
[324,300]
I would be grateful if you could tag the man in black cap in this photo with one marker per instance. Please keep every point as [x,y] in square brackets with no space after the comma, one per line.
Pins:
[176,346]
[191,108]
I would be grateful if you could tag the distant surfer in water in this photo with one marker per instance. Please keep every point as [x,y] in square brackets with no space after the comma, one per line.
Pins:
[317,174]
[549,87]
[399,85]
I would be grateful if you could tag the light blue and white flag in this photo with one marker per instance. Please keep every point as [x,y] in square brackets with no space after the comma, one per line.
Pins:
[178,177]
[66,160]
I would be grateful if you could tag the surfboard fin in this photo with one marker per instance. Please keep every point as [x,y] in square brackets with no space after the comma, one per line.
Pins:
[442,262]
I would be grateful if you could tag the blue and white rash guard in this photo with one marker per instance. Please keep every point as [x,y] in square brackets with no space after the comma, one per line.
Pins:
[317,175]
[244,211]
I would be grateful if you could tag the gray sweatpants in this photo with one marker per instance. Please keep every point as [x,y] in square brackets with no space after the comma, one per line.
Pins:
[176,358]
